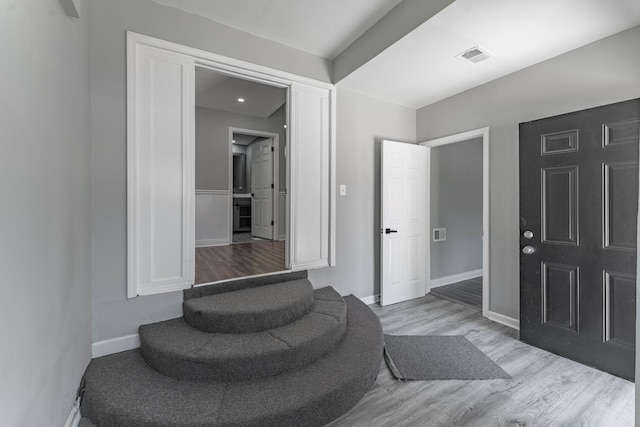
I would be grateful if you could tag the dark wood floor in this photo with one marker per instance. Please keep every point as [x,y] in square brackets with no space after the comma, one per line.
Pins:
[546,390]
[467,292]
[217,263]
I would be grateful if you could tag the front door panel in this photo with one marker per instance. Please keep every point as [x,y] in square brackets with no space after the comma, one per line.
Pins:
[578,211]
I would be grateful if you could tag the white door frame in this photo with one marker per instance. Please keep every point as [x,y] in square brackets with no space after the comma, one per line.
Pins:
[316,102]
[460,137]
[275,171]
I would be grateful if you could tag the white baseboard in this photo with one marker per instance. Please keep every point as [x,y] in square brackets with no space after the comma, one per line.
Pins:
[74,416]
[371,299]
[504,320]
[115,345]
[222,241]
[455,278]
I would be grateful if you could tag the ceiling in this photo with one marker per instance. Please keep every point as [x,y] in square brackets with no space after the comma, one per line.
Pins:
[421,67]
[321,27]
[244,139]
[221,92]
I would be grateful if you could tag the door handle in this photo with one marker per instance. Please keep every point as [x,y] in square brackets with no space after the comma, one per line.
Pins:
[389,231]
[528,250]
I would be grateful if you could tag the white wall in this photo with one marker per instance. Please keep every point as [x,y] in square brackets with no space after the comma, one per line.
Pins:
[456,204]
[45,264]
[362,122]
[603,72]
[113,314]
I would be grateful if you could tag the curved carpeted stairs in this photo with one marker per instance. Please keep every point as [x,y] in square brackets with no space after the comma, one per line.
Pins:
[277,354]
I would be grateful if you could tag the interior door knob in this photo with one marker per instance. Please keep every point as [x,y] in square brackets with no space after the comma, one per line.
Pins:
[528,250]
[389,231]
[528,234]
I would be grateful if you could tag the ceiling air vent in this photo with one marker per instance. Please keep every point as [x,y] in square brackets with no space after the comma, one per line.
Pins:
[474,55]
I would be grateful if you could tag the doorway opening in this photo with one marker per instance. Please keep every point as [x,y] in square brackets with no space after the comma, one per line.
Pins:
[456,222]
[240,169]
[459,225]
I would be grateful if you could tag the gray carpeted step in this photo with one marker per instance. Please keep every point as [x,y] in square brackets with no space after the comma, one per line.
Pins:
[176,349]
[121,390]
[242,283]
[250,310]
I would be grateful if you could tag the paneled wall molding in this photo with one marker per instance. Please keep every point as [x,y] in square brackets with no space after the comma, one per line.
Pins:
[310,183]
[160,170]
[213,218]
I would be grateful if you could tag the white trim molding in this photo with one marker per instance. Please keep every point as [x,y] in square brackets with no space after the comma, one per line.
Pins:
[205,243]
[504,320]
[115,345]
[373,299]
[73,420]
[455,278]
[214,192]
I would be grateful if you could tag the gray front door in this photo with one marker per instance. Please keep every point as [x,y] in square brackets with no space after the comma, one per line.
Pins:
[578,212]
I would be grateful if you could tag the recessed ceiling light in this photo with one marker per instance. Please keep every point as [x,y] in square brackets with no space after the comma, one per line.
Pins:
[240,99]
[474,55]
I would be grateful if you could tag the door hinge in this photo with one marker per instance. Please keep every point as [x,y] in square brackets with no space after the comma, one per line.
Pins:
[272,149]
[272,186]
[271,222]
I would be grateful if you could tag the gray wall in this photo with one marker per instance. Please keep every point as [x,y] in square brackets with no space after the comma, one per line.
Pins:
[113,314]
[45,176]
[456,203]
[362,122]
[212,143]
[603,72]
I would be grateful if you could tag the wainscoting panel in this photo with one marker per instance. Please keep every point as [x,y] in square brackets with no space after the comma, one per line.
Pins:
[213,218]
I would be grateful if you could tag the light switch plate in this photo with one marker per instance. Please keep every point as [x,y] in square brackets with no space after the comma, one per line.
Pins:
[343,190]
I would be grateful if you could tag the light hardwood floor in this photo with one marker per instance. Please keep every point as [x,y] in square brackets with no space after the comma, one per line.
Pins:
[546,390]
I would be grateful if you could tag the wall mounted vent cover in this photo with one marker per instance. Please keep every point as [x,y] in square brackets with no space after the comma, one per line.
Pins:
[474,55]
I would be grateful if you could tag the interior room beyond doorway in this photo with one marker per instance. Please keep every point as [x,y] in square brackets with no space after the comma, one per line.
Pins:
[240,177]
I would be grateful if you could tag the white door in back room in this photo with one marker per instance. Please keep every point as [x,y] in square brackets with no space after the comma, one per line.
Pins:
[262,189]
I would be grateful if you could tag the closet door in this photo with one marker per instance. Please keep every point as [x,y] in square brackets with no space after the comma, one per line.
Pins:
[160,170]
[310,180]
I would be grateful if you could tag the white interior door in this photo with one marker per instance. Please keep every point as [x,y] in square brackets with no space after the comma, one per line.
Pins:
[404,218]
[262,189]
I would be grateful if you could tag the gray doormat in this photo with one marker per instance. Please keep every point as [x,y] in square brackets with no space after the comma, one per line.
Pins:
[438,358]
